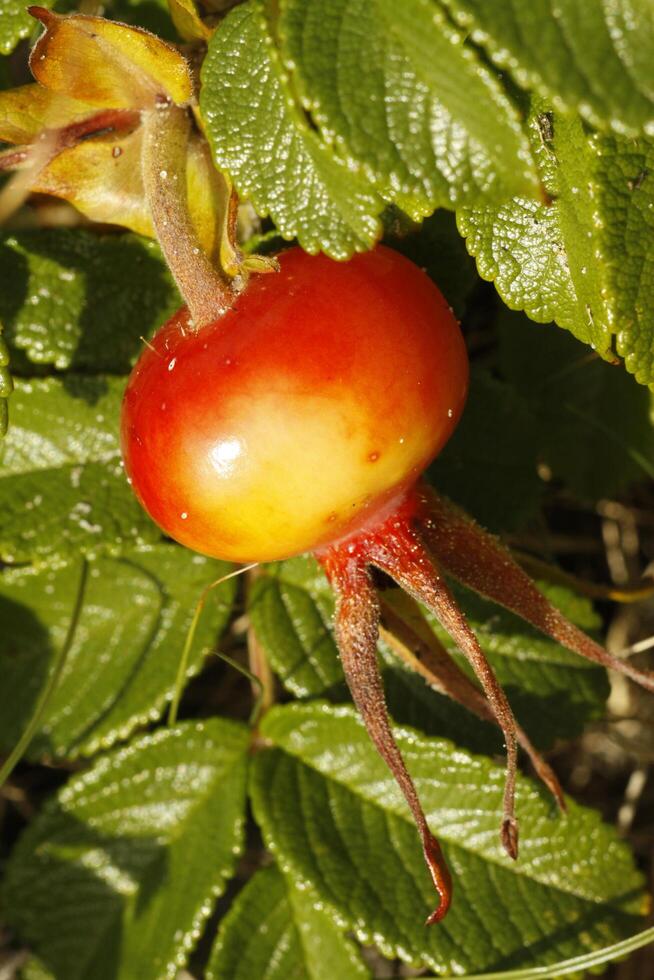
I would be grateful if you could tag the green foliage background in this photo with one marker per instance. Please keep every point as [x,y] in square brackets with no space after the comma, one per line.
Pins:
[523,129]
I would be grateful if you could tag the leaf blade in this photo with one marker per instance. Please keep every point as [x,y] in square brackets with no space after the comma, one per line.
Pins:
[269,150]
[136,850]
[330,813]
[277,929]
[398,93]
[123,661]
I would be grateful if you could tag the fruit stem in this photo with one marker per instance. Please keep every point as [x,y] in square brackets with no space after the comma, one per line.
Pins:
[206,291]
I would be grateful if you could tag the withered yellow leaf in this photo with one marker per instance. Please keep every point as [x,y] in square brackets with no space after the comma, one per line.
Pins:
[28,110]
[107,64]
[187,21]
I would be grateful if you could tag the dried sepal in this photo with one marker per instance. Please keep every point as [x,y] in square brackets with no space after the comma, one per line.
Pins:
[412,639]
[29,109]
[81,134]
[357,628]
[107,64]
[397,549]
[481,562]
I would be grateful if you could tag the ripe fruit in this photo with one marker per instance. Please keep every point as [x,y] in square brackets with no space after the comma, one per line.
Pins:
[302,413]
[301,419]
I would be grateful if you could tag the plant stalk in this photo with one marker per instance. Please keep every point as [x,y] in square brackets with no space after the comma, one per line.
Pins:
[206,291]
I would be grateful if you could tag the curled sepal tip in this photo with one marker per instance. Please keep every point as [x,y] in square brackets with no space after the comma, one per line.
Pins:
[441,877]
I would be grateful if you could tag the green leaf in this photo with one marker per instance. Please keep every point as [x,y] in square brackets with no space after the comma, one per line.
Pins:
[116,876]
[332,815]
[122,666]
[587,961]
[261,138]
[278,929]
[16,24]
[34,970]
[78,300]
[51,516]
[62,487]
[593,422]
[595,58]
[583,259]
[65,421]
[400,95]
[291,606]
[554,692]
[495,439]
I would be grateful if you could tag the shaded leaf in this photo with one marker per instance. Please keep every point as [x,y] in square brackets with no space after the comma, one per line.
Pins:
[75,299]
[262,139]
[401,96]
[332,815]
[279,929]
[62,487]
[495,440]
[594,428]
[591,57]
[436,247]
[135,851]
[291,607]
[122,665]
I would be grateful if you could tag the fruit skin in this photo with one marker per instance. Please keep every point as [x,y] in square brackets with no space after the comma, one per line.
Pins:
[302,414]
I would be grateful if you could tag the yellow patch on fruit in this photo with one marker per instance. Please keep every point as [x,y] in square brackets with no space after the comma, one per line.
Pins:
[280,479]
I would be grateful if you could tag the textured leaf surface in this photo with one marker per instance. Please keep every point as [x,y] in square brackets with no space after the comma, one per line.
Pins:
[262,139]
[332,815]
[592,57]
[397,92]
[135,851]
[596,448]
[554,692]
[122,665]
[62,487]
[583,260]
[279,929]
[15,23]
[73,299]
